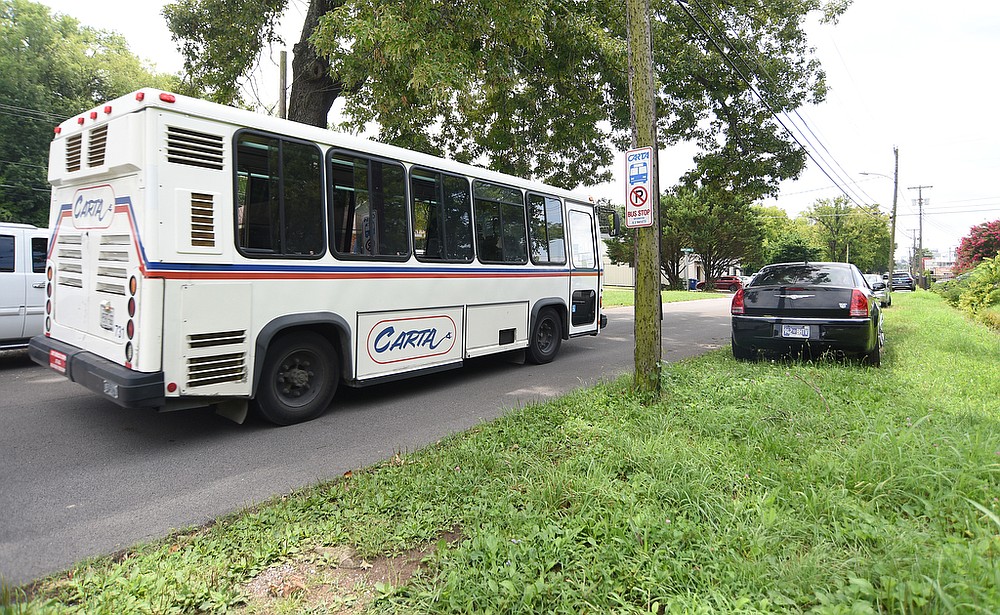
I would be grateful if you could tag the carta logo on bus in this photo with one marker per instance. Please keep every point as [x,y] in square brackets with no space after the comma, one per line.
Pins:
[93,208]
[407,339]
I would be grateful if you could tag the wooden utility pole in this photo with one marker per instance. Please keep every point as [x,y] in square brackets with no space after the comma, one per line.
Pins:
[895,193]
[648,306]
[283,85]
[920,205]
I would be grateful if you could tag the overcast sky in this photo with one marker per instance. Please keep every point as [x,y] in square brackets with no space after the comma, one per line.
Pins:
[916,74]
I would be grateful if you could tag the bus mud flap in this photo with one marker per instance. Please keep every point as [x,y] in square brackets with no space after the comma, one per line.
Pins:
[235,410]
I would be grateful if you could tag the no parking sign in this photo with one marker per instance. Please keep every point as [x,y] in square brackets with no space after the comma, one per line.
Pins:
[638,187]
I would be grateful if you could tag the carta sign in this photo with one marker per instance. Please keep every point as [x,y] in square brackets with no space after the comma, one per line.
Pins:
[93,208]
[408,339]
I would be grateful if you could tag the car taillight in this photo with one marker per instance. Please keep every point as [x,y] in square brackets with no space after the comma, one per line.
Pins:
[737,307]
[859,304]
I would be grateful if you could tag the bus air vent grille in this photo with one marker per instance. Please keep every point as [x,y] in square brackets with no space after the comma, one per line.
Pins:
[202,220]
[223,338]
[196,149]
[98,145]
[74,150]
[216,369]
[111,289]
[69,258]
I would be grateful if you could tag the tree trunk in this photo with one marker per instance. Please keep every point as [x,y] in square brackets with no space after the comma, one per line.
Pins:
[313,88]
[648,307]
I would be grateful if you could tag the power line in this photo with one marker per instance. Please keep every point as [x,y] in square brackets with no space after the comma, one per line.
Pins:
[828,169]
[33,113]
[28,187]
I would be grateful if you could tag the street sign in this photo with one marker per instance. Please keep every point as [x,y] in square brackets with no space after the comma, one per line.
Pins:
[638,187]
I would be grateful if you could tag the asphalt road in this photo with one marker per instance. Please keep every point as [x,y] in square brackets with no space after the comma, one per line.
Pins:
[81,477]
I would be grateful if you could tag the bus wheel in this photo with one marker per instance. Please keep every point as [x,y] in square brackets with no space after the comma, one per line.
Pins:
[300,376]
[546,337]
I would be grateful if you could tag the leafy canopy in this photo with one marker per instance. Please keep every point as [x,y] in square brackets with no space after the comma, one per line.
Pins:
[51,67]
[540,88]
[851,233]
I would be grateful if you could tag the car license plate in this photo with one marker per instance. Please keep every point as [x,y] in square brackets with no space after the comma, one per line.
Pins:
[107,317]
[797,331]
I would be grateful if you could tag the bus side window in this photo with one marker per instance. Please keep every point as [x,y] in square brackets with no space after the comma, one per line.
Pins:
[279,200]
[500,225]
[546,231]
[368,208]
[442,219]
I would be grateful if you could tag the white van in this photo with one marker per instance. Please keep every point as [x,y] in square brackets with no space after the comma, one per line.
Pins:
[22,283]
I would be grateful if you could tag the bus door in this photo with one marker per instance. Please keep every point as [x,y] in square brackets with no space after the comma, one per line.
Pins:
[585,279]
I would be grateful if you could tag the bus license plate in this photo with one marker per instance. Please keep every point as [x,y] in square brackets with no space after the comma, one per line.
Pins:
[797,331]
[107,317]
[57,361]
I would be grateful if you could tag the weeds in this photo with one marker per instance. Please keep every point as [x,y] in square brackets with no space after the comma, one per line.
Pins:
[823,487]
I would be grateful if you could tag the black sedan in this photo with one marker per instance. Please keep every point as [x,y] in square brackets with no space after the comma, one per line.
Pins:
[811,306]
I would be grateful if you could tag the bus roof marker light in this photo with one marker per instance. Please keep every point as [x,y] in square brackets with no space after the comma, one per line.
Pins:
[80,121]
[107,109]
[58,129]
[140,96]
[168,97]
[93,115]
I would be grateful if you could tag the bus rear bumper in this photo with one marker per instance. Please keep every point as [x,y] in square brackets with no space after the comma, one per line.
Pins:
[127,388]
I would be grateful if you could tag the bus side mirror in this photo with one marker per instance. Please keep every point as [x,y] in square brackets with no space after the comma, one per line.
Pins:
[616,224]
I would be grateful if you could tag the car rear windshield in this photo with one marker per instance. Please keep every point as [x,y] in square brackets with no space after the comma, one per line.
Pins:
[805,275]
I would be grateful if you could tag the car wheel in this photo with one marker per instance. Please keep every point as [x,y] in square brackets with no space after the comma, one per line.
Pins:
[546,338]
[874,358]
[299,378]
[740,353]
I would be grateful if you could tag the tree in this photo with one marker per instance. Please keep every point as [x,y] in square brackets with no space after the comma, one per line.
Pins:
[982,242]
[51,67]
[535,89]
[785,240]
[720,230]
[724,229]
[793,248]
[852,233]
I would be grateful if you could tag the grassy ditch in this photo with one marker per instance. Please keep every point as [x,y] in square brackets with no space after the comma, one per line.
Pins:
[825,487]
[617,296]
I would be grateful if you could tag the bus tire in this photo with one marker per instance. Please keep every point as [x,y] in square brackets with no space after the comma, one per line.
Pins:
[546,337]
[300,376]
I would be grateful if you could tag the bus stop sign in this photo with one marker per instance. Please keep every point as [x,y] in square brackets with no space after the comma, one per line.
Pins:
[638,184]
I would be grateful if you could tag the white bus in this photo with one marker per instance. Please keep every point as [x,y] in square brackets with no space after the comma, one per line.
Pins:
[207,256]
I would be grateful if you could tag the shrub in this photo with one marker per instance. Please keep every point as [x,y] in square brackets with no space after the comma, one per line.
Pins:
[983,287]
[951,290]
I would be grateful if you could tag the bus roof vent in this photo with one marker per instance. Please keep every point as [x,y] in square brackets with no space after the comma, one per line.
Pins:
[74,146]
[98,145]
[202,220]
[196,149]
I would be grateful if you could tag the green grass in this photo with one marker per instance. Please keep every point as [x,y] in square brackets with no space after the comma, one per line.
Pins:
[767,487]
[618,296]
